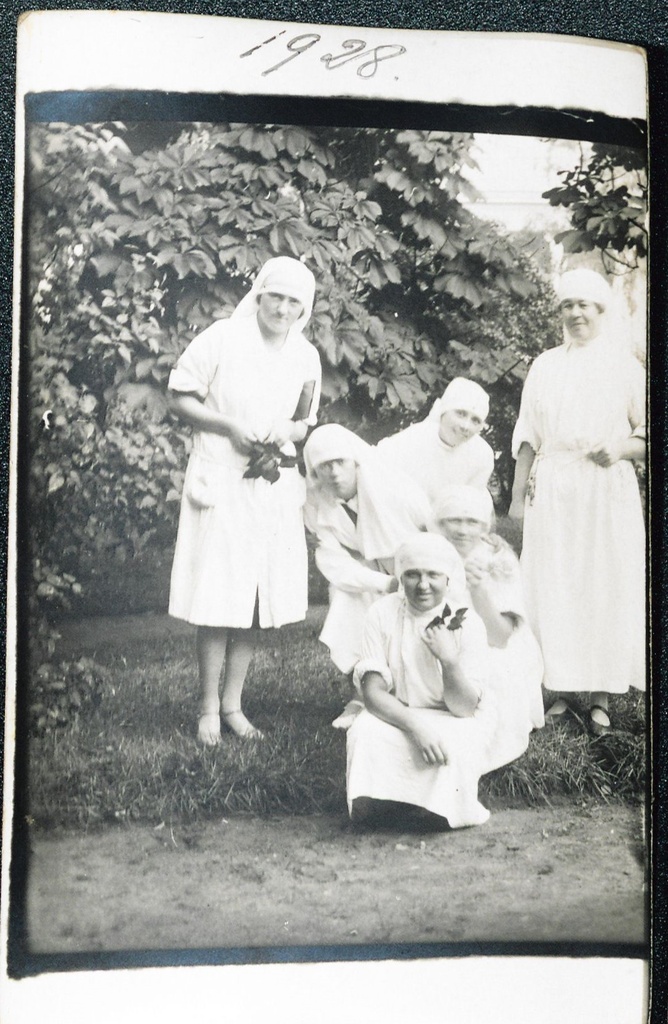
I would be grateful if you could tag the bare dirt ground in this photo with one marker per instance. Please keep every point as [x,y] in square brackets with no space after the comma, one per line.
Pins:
[565,873]
[557,874]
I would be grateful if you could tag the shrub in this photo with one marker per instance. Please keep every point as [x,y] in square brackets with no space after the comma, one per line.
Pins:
[60,692]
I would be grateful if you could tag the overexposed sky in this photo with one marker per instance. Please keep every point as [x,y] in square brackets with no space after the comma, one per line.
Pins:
[513,172]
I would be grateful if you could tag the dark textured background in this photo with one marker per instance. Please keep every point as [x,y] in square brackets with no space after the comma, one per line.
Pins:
[644,23]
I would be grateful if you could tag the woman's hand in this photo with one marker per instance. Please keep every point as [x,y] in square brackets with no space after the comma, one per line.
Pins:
[282,432]
[240,437]
[605,454]
[441,642]
[428,742]
[477,571]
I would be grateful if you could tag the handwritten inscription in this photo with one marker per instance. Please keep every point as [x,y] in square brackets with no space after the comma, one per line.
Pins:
[353,50]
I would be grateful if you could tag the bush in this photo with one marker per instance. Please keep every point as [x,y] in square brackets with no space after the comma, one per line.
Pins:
[61,692]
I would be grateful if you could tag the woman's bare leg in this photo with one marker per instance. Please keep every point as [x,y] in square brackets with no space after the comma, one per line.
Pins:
[240,647]
[212,643]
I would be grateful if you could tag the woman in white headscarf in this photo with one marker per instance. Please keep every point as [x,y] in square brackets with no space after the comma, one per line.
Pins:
[464,515]
[421,739]
[446,447]
[581,426]
[359,510]
[240,560]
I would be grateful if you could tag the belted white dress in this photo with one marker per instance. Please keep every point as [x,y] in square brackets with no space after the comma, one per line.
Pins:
[583,556]
[240,539]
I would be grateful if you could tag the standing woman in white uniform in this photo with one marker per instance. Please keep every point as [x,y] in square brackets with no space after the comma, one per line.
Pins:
[581,426]
[240,560]
[446,447]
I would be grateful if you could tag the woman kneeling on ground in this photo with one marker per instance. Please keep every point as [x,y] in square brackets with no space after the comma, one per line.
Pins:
[359,511]
[464,515]
[422,737]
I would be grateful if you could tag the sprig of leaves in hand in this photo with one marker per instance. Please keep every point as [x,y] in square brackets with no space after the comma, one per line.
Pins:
[454,623]
[266,460]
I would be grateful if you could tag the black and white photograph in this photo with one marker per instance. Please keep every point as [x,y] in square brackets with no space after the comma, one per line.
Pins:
[330,480]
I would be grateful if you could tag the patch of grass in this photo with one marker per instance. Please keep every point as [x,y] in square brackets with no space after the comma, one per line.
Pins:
[565,760]
[134,757]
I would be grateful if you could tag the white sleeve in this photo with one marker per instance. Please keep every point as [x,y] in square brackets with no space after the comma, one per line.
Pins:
[373,654]
[344,571]
[526,427]
[474,656]
[484,467]
[196,368]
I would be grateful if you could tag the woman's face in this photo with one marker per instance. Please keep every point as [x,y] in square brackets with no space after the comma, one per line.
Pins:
[424,588]
[459,425]
[276,314]
[462,532]
[339,477]
[581,318]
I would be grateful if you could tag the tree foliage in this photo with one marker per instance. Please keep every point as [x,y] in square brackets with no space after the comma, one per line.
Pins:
[606,195]
[136,244]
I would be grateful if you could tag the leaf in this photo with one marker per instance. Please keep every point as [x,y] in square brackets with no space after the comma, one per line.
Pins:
[105,264]
[440,619]
[88,404]
[144,367]
[575,241]
[408,393]
[55,483]
[392,272]
[457,619]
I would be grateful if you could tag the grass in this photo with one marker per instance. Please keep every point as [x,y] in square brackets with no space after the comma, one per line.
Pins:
[134,756]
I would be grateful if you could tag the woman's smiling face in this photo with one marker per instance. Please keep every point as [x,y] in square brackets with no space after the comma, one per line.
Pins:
[276,314]
[581,318]
[463,532]
[424,588]
[459,425]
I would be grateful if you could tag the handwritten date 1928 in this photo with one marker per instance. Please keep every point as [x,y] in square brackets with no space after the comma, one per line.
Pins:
[353,50]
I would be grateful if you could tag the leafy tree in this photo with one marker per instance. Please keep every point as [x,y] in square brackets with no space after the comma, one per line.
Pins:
[136,243]
[606,195]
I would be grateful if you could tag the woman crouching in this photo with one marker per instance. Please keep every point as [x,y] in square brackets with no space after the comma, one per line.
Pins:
[422,737]
[464,516]
[359,510]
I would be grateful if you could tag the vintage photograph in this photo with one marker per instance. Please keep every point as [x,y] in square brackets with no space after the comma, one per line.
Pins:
[292,392]
[331,637]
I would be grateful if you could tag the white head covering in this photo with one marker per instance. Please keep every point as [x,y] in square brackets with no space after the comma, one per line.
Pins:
[332,441]
[427,551]
[463,502]
[587,285]
[462,394]
[390,507]
[286,277]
